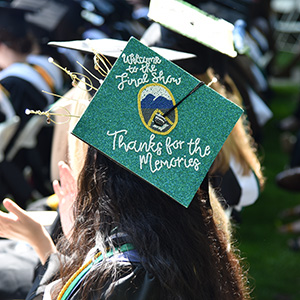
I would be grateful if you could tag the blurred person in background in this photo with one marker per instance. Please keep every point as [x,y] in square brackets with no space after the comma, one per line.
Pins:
[237,173]
[22,84]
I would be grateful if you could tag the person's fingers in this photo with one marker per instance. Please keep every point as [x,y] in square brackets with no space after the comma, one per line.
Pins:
[13,207]
[18,225]
[5,217]
[7,220]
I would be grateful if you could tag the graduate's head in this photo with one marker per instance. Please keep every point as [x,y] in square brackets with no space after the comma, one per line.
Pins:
[156,130]
[155,122]
[151,118]
[173,242]
[153,131]
[145,117]
[158,121]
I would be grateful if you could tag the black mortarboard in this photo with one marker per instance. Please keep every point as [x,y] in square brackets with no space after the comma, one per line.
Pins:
[12,19]
[52,19]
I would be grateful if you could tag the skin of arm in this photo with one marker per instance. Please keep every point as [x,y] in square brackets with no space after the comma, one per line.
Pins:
[18,225]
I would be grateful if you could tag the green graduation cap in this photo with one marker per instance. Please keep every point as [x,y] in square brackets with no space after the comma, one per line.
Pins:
[158,121]
[191,22]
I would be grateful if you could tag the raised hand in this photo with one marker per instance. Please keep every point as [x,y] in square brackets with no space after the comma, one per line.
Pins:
[18,225]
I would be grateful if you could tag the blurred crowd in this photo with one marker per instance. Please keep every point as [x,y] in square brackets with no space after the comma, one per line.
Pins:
[26,28]
[30,147]
[26,152]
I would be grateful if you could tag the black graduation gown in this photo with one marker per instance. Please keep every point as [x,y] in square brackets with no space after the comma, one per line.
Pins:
[136,284]
[133,282]
[23,95]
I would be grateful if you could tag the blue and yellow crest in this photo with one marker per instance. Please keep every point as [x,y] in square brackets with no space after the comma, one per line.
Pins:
[156,99]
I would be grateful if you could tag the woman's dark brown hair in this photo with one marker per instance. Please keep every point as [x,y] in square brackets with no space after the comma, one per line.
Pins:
[182,247]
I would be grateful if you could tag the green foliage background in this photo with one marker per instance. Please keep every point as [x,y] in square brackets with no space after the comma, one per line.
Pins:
[274,269]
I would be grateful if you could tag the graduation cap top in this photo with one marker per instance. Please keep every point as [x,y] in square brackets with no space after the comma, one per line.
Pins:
[12,19]
[158,121]
[52,19]
[112,48]
[47,15]
[191,22]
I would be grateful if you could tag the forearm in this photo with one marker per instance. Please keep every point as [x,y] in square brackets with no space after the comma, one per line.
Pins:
[19,225]
[43,245]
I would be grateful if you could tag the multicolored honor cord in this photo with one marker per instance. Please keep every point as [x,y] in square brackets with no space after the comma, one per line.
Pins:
[81,272]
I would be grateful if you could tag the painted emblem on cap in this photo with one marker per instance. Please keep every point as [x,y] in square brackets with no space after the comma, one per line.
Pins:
[154,101]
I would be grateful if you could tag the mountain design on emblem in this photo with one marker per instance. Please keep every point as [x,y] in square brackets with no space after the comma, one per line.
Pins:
[152,102]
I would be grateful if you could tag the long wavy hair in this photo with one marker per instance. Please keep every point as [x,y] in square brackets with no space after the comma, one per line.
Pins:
[240,143]
[184,248]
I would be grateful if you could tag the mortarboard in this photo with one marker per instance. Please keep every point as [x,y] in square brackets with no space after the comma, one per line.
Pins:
[112,48]
[193,23]
[52,19]
[158,121]
[12,19]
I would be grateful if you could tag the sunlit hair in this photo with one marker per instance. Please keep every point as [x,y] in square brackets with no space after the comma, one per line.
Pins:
[240,143]
[186,249]
[65,146]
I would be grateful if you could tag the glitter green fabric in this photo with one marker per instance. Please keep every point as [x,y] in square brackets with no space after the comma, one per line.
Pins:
[120,122]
